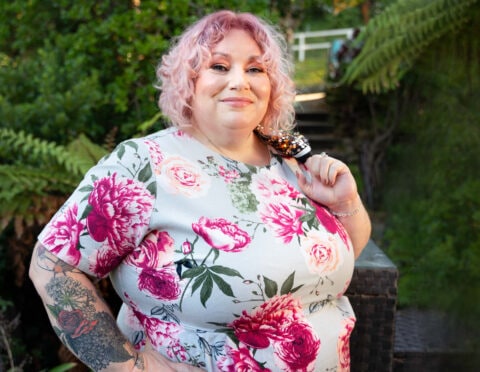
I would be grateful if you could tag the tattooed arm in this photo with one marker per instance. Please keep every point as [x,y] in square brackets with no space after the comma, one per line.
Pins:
[83,321]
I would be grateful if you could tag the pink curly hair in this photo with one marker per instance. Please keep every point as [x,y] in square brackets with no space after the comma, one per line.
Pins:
[180,66]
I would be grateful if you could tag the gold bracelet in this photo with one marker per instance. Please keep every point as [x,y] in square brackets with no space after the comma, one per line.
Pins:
[346,214]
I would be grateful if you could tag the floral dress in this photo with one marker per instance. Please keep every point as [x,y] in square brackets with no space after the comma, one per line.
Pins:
[219,264]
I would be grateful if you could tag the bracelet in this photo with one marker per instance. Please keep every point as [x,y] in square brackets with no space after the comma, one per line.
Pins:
[346,214]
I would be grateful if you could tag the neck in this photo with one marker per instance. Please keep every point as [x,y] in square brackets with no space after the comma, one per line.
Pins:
[247,149]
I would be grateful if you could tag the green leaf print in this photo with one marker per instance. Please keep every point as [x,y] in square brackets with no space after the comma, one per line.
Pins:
[206,290]
[199,281]
[132,144]
[271,287]
[205,277]
[146,173]
[223,285]
[242,198]
[288,284]
[193,272]
[121,151]
[225,271]
[152,187]
[88,188]
[86,211]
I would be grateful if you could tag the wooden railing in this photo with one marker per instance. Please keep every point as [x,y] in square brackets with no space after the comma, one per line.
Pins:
[302,45]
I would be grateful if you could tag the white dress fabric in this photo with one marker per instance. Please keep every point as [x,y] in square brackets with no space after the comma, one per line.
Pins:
[219,264]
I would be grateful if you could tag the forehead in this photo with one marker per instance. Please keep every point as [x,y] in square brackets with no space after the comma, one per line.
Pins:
[239,41]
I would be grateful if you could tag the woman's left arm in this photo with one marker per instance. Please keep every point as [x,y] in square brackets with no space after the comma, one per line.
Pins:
[331,183]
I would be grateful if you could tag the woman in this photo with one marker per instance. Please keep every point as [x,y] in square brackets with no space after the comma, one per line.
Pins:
[225,257]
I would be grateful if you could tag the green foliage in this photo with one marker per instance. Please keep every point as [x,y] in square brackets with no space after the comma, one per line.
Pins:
[310,74]
[32,169]
[433,193]
[63,367]
[394,39]
[87,67]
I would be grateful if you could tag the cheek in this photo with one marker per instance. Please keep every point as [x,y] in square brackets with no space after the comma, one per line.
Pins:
[264,89]
[208,85]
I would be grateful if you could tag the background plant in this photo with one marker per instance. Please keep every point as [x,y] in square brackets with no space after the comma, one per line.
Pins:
[424,55]
[432,194]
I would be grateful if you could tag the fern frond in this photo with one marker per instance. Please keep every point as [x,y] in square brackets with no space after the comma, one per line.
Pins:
[394,39]
[21,180]
[31,150]
[33,172]
[87,152]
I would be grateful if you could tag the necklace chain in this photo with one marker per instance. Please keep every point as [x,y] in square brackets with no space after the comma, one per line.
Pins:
[269,154]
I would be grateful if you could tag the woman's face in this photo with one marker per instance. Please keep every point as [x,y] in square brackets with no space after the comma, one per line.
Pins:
[232,89]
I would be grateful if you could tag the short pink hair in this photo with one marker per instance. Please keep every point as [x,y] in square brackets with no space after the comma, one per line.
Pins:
[180,66]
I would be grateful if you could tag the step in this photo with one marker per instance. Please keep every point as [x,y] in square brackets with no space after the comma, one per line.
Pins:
[426,340]
[314,127]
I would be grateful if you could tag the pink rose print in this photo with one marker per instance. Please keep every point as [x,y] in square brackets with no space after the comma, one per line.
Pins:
[120,212]
[104,261]
[283,219]
[162,284]
[186,247]
[165,334]
[225,362]
[135,326]
[300,353]
[155,153]
[228,175]
[221,234]
[156,250]
[265,187]
[267,322]
[343,344]
[239,360]
[331,223]
[180,176]
[181,133]
[161,333]
[325,218]
[321,253]
[63,235]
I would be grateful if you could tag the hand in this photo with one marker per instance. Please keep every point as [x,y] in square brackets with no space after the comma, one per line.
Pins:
[330,183]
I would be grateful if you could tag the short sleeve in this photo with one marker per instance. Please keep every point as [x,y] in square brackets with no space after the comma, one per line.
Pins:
[108,214]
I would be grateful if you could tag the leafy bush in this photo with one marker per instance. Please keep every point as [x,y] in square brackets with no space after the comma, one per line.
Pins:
[432,196]
[87,66]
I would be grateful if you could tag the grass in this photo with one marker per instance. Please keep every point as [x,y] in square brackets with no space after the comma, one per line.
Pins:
[310,74]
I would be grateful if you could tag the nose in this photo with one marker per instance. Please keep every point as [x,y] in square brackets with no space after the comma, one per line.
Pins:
[238,79]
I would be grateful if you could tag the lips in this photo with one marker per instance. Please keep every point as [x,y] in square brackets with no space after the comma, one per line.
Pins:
[237,101]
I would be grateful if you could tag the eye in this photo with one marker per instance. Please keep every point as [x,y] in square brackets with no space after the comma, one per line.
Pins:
[256,69]
[219,67]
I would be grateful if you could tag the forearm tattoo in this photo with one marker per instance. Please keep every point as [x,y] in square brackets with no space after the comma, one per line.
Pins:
[91,334]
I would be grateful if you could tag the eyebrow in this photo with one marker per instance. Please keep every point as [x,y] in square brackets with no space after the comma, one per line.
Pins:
[251,58]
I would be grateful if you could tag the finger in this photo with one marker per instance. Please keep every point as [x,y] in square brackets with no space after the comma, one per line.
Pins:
[335,170]
[148,344]
[304,183]
[325,168]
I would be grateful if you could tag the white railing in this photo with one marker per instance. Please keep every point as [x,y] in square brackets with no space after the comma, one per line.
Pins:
[302,46]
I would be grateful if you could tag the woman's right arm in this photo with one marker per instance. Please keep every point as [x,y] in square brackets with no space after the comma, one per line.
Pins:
[83,321]
[79,316]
